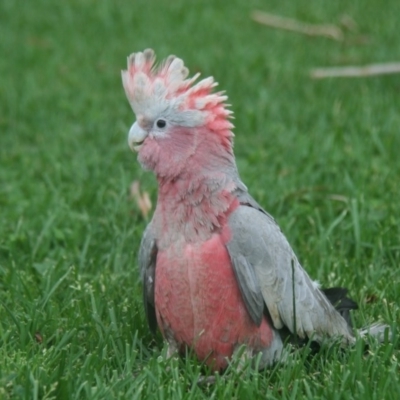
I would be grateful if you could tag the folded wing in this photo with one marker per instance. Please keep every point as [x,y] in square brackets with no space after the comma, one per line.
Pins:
[268,272]
[147,265]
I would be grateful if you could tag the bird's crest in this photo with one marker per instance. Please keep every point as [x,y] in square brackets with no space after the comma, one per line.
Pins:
[166,87]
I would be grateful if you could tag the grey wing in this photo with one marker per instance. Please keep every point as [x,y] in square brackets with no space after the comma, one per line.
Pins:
[268,272]
[147,265]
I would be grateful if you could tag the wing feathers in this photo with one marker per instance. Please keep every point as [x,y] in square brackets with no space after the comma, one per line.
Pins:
[260,253]
[147,265]
[249,288]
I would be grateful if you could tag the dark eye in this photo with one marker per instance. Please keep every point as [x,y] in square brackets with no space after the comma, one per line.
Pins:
[161,123]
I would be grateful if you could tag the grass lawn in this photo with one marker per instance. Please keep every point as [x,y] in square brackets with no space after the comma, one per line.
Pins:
[323,157]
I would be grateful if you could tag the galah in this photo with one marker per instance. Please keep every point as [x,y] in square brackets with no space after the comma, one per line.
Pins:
[218,274]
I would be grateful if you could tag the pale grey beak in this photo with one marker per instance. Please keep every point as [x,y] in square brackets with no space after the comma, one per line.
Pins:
[136,137]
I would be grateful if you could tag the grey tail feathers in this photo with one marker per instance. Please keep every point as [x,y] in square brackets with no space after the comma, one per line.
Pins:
[343,304]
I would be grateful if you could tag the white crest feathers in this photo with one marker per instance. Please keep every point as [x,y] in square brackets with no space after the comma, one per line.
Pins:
[151,89]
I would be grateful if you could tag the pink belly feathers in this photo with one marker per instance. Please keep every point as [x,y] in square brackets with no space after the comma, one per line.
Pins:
[198,302]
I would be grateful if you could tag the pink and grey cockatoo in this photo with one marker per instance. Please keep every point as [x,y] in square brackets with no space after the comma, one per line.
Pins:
[218,274]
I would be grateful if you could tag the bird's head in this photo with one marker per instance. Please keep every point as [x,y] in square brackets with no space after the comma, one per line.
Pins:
[179,123]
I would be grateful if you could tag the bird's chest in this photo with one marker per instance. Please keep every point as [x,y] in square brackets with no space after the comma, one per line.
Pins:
[186,274]
[194,286]
[199,304]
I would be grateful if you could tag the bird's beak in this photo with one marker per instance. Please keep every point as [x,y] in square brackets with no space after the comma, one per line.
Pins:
[136,137]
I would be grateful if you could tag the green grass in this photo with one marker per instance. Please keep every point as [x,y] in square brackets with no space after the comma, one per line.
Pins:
[321,156]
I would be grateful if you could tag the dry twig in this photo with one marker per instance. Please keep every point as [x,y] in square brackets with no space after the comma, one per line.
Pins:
[142,199]
[275,21]
[354,71]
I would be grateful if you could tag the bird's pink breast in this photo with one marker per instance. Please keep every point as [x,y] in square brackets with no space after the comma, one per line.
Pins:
[198,302]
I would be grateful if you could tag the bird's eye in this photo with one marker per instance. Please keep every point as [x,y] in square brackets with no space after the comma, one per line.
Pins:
[161,123]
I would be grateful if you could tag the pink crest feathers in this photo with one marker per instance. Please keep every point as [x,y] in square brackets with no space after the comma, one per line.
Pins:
[152,89]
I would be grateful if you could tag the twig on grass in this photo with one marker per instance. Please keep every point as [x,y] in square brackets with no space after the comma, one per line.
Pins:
[356,71]
[276,21]
[142,198]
